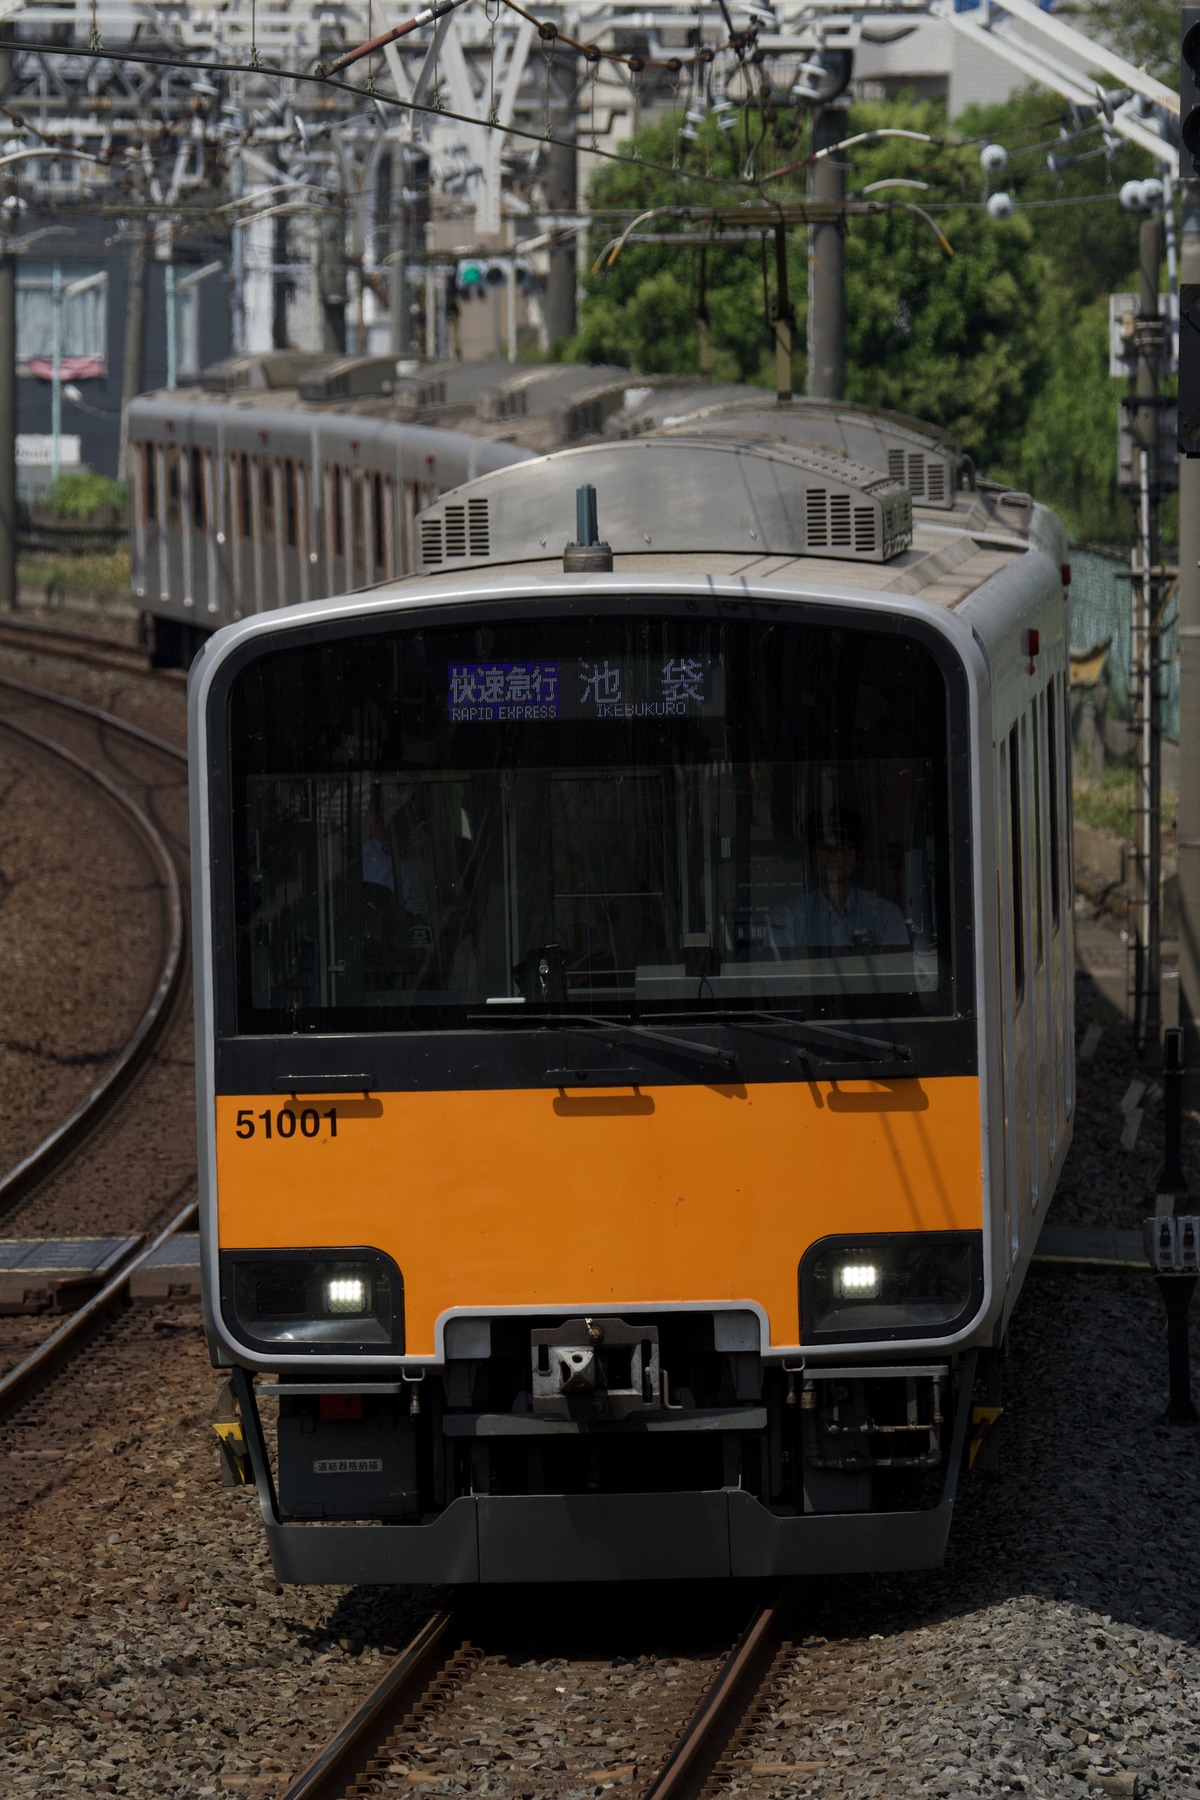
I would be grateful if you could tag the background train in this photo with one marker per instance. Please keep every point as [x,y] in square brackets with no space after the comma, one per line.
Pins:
[634,1006]
[285,478]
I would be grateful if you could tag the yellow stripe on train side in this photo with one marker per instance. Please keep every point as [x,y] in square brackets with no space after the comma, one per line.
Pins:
[533,1197]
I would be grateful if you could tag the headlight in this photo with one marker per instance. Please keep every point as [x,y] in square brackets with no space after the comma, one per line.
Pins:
[309,1301]
[890,1285]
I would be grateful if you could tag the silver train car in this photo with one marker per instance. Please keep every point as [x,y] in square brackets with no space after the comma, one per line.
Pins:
[285,478]
[633,980]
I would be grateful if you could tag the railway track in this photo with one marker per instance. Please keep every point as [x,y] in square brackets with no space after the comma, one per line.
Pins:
[84,646]
[384,1736]
[72,1133]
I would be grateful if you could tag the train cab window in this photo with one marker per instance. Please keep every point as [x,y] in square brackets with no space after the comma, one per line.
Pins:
[1015,858]
[649,816]
[1052,846]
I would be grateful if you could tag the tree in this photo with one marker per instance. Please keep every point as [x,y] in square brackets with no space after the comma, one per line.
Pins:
[1002,343]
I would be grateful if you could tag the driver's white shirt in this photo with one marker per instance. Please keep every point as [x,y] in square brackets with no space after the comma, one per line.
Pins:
[810,920]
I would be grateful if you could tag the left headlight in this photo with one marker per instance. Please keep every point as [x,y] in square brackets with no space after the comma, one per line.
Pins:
[313,1301]
[890,1285]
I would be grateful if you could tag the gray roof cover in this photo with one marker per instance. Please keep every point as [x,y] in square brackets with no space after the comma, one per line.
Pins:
[673,494]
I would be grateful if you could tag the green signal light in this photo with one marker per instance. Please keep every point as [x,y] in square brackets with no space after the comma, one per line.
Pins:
[471,275]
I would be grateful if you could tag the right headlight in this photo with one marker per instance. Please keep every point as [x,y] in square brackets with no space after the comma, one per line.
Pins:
[904,1284]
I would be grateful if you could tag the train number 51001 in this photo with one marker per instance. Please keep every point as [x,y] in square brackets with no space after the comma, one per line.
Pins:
[287,1123]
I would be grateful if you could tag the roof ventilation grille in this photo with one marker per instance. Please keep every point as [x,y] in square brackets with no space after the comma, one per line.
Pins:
[456,532]
[896,464]
[478,534]
[935,482]
[865,542]
[431,543]
[817,519]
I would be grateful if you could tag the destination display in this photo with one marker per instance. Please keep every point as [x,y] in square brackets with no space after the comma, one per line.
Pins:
[609,687]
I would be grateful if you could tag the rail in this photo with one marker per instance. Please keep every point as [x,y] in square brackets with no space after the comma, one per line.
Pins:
[83,646]
[118,1074]
[63,1342]
[359,1750]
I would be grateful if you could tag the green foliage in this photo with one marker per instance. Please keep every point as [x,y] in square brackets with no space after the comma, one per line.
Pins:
[1145,32]
[104,572]
[1004,342]
[82,496]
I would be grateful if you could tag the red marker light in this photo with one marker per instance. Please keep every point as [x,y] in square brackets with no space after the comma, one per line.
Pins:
[1066,574]
[1030,644]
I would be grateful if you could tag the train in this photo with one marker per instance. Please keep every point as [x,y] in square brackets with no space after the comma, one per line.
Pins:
[633,988]
[284,476]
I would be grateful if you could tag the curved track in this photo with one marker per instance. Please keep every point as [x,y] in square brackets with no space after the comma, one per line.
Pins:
[72,1135]
[121,1071]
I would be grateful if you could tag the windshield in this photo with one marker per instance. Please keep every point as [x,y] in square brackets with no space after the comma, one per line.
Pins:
[633,816]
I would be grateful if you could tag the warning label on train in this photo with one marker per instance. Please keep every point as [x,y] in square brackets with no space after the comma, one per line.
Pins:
[348,1465]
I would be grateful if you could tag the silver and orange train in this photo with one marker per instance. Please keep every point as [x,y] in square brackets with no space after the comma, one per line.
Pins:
[634,1007]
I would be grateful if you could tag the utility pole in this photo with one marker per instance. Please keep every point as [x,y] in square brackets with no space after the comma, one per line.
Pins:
[331,280]
[783,321]
[400,338]
[8,400]
[1188,823]
[1147,658]
[562,196]
[827,263]
[135,329]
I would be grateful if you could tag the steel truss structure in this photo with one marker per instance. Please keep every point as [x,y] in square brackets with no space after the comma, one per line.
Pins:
[175,119]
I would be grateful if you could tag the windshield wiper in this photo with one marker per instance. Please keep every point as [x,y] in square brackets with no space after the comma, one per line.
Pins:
[631,1033]
[880,1049]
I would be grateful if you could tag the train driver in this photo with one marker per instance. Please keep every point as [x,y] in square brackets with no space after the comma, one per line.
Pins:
[836,914]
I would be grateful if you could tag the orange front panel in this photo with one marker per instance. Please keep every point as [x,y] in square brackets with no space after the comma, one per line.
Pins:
[531,1197]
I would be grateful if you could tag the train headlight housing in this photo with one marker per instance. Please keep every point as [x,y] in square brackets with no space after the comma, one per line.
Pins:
[307,1302]
[890,1285]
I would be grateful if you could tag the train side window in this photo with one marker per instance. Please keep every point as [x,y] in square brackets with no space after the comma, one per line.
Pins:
[268,501]
[289,501]
[339,531]
[380,566]
[1052,767]
[198,508]
[245,511]
[1018,886]
[171,461]
[149,483]
[1035,782]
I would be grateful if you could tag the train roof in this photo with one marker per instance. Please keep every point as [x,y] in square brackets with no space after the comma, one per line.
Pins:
[757,507]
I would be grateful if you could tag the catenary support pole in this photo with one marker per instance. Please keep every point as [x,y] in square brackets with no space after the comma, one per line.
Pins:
[783,320]
[135,323]
[1189,705]
[827,264]
[1145,589]
[561,197]
[399,316]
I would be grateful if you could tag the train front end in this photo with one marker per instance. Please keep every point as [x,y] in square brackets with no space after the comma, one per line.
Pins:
[590,1107]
